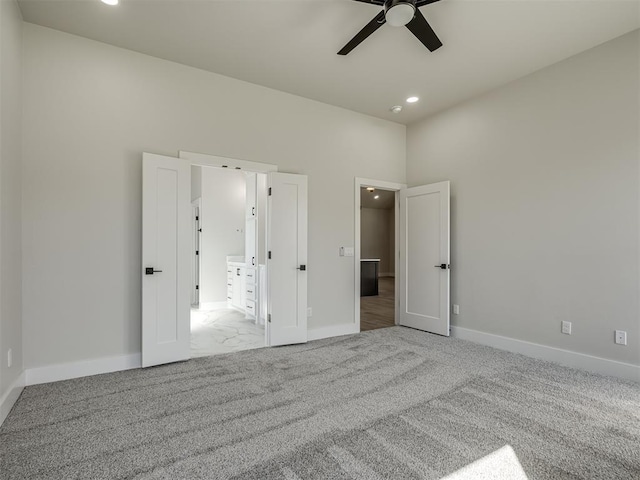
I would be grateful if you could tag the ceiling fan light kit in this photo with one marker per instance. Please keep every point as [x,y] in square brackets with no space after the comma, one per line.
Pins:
[398,13]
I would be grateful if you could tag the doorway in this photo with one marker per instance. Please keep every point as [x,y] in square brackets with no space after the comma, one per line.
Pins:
[166,254]
[376,252]
[421,254]
[377,258]
[228,223]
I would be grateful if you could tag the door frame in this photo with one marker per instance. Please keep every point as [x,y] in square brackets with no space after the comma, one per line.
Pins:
[205,160]
[195,274]
[383,185]
[215,161]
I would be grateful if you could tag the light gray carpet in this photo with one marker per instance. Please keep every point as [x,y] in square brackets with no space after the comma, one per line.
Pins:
[387,404]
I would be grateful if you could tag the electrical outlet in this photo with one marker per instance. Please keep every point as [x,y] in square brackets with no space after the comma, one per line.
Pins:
[621,337]
[9,358]
[309,312]
[456,309]
[566,328]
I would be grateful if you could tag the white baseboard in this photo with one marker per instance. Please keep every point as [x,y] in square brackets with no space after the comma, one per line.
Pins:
[582,361]
[332,331]
[11,395]
[66,371]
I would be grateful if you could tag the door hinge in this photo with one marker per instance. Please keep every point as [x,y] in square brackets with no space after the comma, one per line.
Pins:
[197,217]
[269,255]
[269,317]
[269,191]
[197,252]
[197,287]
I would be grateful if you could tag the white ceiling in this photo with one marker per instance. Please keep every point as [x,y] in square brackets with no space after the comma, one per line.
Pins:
[291,45]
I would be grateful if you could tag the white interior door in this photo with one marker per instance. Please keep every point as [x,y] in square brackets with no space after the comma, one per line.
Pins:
[166,248]
[424,258]
[286,259]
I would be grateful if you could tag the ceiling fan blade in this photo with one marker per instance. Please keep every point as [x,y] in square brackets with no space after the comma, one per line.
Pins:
[419,3]
[423,32]
[378,2]
[368,29]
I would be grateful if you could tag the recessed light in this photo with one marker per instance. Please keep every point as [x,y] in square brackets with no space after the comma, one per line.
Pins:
[110,2]
[377,197]
[396,108]
[412,99]
[370,189]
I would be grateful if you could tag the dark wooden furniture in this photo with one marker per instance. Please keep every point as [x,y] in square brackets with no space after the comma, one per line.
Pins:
[369,277]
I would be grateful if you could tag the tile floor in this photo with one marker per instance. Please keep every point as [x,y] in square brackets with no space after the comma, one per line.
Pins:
[223,331]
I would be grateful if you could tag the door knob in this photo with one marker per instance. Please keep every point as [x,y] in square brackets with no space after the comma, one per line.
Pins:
[442,266]
[151,271]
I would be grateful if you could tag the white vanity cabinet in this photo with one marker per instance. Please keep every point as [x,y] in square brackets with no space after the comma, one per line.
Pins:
[236,285]
[242,272]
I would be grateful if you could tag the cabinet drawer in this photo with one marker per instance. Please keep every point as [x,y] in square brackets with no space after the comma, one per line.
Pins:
[251,307]
[251,275]
[251,292]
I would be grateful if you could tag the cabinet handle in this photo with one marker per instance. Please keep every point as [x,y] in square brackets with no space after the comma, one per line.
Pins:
[253,211]
[253,261]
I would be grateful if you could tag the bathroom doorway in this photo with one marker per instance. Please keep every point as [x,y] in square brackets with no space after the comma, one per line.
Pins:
[228,224]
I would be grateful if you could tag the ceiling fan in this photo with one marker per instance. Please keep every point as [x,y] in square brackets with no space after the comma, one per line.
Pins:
[398,13]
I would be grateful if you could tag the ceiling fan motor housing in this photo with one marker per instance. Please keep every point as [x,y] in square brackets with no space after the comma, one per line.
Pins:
[398,13]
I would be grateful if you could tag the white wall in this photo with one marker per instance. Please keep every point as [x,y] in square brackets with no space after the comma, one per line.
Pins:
[196,182]
[91,109]
[10,201]
[545,202]
[223,218]
[377,235]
